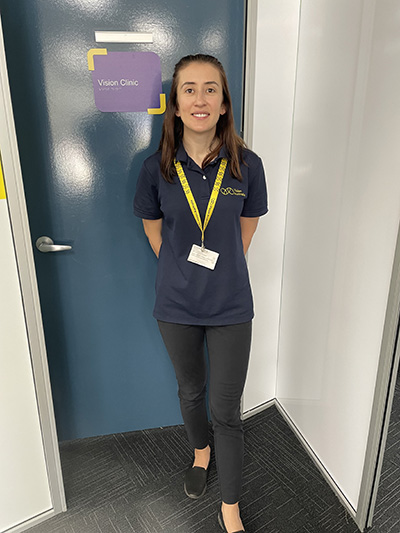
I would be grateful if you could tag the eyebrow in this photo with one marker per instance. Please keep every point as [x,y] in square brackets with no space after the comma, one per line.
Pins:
[194,83]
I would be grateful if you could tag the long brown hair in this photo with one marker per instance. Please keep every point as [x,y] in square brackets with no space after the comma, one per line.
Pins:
[172,131]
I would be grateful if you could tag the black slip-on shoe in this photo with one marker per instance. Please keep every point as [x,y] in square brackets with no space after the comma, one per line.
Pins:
[195,482]
[222,524]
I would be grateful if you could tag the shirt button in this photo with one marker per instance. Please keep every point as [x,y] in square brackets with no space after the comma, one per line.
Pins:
[204,177]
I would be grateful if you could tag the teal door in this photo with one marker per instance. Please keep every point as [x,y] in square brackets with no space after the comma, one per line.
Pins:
[109,370]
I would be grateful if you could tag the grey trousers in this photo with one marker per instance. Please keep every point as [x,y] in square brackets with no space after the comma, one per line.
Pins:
[228,350]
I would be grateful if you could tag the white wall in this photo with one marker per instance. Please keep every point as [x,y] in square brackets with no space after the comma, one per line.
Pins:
[327,125]
[343,211]
[275,70]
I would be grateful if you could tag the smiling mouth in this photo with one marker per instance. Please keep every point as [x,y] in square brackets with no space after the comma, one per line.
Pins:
[200,115]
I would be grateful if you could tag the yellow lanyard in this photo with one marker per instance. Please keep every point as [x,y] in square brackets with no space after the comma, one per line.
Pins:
[192,202]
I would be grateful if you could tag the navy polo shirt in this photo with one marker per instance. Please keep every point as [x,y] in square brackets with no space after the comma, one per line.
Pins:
[187,293]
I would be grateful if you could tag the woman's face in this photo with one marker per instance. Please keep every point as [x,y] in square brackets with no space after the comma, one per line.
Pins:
[199,97]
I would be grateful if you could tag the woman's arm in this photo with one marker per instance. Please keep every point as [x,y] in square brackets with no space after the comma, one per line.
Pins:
[248,226]
[152,229]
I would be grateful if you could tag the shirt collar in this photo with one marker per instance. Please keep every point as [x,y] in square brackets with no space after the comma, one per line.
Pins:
[181,154]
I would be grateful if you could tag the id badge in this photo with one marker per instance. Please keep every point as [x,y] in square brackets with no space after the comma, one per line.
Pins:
[203,257]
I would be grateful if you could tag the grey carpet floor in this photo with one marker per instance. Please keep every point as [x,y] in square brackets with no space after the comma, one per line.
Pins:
[133,482]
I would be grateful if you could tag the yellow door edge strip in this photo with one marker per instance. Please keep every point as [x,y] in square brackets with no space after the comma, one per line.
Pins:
[3,195]
[95,52]
[158,110]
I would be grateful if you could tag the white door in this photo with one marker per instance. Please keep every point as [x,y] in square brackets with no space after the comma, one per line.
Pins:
[30,480]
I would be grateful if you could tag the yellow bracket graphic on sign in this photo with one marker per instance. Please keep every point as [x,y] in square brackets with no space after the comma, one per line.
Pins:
[95,52]
[3,195]
[158,110]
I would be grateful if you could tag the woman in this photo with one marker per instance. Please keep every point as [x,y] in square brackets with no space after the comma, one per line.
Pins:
[200,197]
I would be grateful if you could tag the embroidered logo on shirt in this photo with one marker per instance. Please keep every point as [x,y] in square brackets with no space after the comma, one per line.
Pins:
[233,192]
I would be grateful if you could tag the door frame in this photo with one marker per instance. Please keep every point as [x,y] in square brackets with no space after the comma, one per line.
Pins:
[30,296]
[383,399]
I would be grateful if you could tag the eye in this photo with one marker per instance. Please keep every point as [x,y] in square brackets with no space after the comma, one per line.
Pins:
[211,90]
[189,90]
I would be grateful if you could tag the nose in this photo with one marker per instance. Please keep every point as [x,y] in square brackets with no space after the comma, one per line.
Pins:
[200,99]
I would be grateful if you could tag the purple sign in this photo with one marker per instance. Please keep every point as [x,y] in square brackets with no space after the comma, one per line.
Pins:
[126,81]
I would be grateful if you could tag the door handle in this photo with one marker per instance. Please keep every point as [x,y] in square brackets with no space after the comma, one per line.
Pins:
[45,244]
